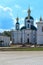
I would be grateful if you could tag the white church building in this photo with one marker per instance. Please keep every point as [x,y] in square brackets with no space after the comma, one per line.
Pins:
[28,34]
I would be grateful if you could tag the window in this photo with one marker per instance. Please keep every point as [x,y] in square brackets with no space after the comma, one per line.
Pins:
[27,34]
[28,21]
[42,28]
[28,25]
[28,40]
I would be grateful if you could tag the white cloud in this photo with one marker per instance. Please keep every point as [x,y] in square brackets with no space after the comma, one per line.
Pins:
[17,6]
[36,20]
[2,30]
[10,13]
[6,8]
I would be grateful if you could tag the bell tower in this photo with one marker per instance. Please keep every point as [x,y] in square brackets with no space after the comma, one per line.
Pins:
[27,20]
[40,31]
[17,23]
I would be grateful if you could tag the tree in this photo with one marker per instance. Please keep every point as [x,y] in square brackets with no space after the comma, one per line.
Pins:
[7,33]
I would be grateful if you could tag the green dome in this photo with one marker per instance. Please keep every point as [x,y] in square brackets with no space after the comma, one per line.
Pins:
[30,17]
[23,28]
[33,27]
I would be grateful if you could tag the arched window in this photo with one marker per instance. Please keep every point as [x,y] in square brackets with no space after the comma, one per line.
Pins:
[28,21]
[28,25]
[28,40]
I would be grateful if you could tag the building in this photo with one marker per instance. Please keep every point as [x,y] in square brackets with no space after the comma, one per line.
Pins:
[27,34]
[4,40]
[40,31]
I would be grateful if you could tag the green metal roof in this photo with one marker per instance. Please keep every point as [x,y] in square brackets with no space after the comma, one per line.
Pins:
[23,28]
[30,17]
[32,28]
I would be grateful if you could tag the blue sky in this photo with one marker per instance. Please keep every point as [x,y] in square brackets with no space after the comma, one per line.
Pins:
[10,9]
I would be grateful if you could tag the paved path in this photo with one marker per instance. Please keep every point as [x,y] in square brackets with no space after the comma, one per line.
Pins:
[21,58]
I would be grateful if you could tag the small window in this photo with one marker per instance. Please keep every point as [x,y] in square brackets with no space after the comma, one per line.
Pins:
[28,21]
[27,34]
[42,29]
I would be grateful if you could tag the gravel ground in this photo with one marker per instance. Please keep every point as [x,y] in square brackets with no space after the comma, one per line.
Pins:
[21,58]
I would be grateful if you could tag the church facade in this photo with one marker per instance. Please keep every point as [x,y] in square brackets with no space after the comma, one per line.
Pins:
[28,34]
[40,32]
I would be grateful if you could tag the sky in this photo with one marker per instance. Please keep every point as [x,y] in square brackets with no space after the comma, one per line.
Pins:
[10,9]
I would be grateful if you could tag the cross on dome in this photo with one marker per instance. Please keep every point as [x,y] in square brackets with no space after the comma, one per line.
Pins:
[40,18]
[29,12]
[17,19]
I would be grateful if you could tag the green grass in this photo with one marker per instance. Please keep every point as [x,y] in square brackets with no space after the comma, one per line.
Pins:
[20,49]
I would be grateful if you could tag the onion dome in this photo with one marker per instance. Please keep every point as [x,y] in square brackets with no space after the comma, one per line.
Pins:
[40,18]
[29,16]
[17,19]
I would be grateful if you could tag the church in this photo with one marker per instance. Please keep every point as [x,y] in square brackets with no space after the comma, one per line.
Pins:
[28,34]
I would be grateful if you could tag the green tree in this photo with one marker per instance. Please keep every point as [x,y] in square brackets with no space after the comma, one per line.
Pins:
[7,33]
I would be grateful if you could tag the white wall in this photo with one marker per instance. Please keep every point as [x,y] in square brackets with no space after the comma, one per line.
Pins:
[24,34]
[17,36]
[6,40]
[39,39]
[31,36]
[39,33]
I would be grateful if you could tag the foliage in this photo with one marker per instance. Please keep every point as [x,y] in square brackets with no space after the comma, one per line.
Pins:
[7,33]
[21,49]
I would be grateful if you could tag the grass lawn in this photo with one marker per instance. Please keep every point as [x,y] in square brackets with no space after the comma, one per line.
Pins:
[20,49]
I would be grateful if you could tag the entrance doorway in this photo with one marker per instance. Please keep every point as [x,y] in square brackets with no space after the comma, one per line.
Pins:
[28,40]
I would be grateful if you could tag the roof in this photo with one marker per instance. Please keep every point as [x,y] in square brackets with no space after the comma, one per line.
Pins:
[32,28]
[30,17]
[17,23]
[23,28]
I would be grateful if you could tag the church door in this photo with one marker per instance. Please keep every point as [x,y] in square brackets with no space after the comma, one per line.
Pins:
[28,40]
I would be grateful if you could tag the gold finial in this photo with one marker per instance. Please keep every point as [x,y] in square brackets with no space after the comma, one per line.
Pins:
[29,11]
[40,18]
[17,19]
